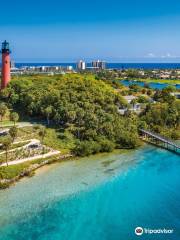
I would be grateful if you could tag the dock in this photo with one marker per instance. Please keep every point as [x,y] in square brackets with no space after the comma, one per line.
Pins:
[159,141]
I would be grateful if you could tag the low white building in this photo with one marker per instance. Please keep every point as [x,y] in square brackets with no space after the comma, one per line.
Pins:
[176,94]
[129,98]
[133,107]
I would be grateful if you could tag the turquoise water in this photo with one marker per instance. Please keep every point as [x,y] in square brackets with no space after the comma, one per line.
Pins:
[153,85]
[99,198]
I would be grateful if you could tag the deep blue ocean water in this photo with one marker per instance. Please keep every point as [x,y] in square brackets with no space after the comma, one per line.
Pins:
[100,199]
[113,65]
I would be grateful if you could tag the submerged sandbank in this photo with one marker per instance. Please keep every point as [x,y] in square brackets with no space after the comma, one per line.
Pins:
[61,180]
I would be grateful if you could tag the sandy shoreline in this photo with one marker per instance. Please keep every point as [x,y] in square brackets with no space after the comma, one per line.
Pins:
[6,183]
[45,166]
[65,180]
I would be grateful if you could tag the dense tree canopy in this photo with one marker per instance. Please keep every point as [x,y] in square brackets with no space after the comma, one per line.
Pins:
[163,118]
[84,106]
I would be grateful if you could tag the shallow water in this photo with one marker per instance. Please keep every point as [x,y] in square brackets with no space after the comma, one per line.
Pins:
[101,198]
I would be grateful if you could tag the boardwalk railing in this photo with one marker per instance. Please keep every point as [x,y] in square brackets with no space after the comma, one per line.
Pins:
[160,140]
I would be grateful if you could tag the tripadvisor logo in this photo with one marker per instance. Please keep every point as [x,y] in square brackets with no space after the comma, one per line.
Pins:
[139,231]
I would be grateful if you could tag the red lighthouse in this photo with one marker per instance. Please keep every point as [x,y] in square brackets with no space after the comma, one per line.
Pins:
[6,68]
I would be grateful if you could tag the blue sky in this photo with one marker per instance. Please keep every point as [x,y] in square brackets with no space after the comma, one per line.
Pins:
[116,30]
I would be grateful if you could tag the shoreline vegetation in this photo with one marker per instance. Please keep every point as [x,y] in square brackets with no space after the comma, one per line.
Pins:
[14,173]
[77,115]
[149,80]
[29,169]
[147,76]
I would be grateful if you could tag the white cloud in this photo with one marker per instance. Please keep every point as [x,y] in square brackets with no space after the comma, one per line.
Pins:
[169,55]
[151,55]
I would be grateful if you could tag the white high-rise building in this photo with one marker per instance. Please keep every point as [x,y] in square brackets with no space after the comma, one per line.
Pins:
[81,65]
[99,64]
[12,64]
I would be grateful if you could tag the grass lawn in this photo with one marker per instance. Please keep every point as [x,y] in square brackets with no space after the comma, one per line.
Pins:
[6,123]
[63,142]
[16,145]
[54,138]
[13,171]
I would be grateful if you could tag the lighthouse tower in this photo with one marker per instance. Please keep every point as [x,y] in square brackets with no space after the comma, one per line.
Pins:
[5,74]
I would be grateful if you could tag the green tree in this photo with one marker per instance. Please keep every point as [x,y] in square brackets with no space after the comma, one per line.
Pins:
[162,116]
[13,132]
[149,92]
[86,148]
[169,89]
[106,145]
[42,135]
[135,88]
[142,99]
[3,110]
[48,112]
[14,117]
[6,144]
[132,73]
[85,107]
[165,95]
[133,102]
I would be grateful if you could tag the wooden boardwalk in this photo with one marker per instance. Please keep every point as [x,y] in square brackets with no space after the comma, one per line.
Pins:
[160,141]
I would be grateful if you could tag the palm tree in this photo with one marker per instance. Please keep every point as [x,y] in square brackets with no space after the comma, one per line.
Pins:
[42,134]
[48,112]
[13,132]
[14,117]
[133,102]
[6,144]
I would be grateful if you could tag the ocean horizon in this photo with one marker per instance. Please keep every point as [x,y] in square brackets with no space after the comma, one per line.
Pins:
[110,65]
